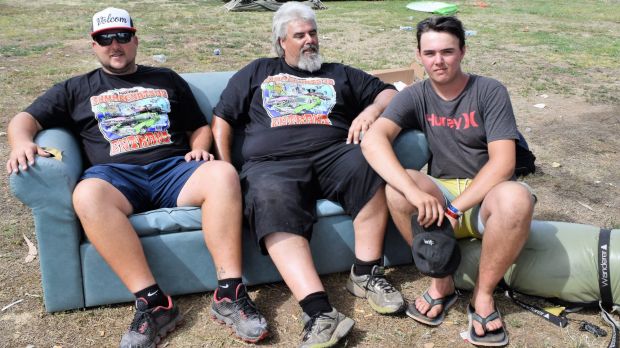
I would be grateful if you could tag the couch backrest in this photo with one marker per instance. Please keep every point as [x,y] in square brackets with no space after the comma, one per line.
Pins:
[207,88]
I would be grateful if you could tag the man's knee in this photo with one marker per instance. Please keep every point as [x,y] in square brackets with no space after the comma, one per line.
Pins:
[86,192]
[218,172]
[290,240]
[213,181]
[511,200]
[90,195]
[397,202]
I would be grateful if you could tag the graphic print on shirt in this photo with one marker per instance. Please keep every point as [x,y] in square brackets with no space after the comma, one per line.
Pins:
[291,100]
[133,119]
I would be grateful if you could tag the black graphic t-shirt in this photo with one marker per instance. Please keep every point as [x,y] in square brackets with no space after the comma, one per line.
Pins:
[458,131]
[287,111]
[137,118]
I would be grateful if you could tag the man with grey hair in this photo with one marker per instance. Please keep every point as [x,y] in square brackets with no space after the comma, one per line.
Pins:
[308,58]
[303,122]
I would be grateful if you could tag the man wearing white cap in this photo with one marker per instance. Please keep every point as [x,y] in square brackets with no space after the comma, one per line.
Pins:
[147,143]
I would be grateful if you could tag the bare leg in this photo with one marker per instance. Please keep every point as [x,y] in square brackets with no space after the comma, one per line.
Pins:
[293,259]
[214,186]
[103,212]
[402,211]
[370,226]
[507,214]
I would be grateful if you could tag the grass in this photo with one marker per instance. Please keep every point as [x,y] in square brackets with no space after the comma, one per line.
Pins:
[188,31]
[20,51]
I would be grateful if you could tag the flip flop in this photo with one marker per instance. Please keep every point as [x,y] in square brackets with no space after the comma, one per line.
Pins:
[446,301]
[495,338]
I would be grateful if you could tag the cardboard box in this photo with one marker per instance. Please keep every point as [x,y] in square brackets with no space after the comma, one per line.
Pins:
[408,76]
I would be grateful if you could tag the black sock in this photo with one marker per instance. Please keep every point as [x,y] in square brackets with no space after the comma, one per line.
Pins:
[315,303]
[227,288]
[365,267]
[153,295]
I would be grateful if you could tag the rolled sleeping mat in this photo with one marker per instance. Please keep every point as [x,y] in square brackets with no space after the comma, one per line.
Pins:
[570,262]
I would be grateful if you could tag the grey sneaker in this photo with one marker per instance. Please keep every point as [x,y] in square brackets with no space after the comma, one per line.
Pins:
[149,326]
[241,315]
[381,295]
[325,329]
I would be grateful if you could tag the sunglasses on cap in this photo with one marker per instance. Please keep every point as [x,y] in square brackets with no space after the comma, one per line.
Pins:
[105,39]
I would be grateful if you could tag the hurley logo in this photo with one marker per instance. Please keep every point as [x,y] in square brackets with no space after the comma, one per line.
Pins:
[463,122]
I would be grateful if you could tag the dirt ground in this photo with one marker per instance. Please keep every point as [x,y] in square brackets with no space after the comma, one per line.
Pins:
[584,189]
[577,180]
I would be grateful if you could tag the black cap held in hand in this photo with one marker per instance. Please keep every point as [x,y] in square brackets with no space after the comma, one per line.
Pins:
[435,250]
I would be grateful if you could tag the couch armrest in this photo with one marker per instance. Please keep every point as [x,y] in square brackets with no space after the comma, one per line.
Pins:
[46,188]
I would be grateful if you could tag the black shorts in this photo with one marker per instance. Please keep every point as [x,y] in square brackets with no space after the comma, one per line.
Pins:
[280,193]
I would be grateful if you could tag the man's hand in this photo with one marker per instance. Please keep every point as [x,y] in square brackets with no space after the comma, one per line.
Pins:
[359,126]
[429,208]
[198,155]
[370,114]
[22,155]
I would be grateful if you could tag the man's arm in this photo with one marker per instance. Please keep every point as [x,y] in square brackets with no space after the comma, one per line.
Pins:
[200,143]
[499,168]
[378,150]
[364,120]
[21,131]
[223,134]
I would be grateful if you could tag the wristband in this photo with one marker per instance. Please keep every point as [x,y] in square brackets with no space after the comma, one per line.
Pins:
[453,212]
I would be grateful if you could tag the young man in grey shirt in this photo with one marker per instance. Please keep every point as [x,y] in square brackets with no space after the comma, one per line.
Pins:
[471,130]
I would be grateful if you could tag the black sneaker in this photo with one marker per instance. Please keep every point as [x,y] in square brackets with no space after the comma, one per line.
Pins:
[325,329]
[150,325]
[241,315]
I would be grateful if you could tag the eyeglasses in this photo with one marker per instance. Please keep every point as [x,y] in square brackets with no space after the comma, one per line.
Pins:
[106,39]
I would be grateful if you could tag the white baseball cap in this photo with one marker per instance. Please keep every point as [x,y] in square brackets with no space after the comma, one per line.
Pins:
[111,18]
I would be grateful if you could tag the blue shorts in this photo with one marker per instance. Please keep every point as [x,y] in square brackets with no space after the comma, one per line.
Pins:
[148,187]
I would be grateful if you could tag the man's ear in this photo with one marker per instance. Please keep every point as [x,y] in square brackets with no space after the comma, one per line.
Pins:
[418,55]
[282,43]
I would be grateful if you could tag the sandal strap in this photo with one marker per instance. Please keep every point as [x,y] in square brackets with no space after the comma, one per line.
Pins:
[434,301]
[484,321]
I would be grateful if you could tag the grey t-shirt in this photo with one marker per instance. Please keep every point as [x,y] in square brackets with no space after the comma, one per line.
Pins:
[457,130]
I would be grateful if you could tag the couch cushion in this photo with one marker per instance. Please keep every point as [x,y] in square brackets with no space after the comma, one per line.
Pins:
[325,208]
[170,220]
[166,220]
